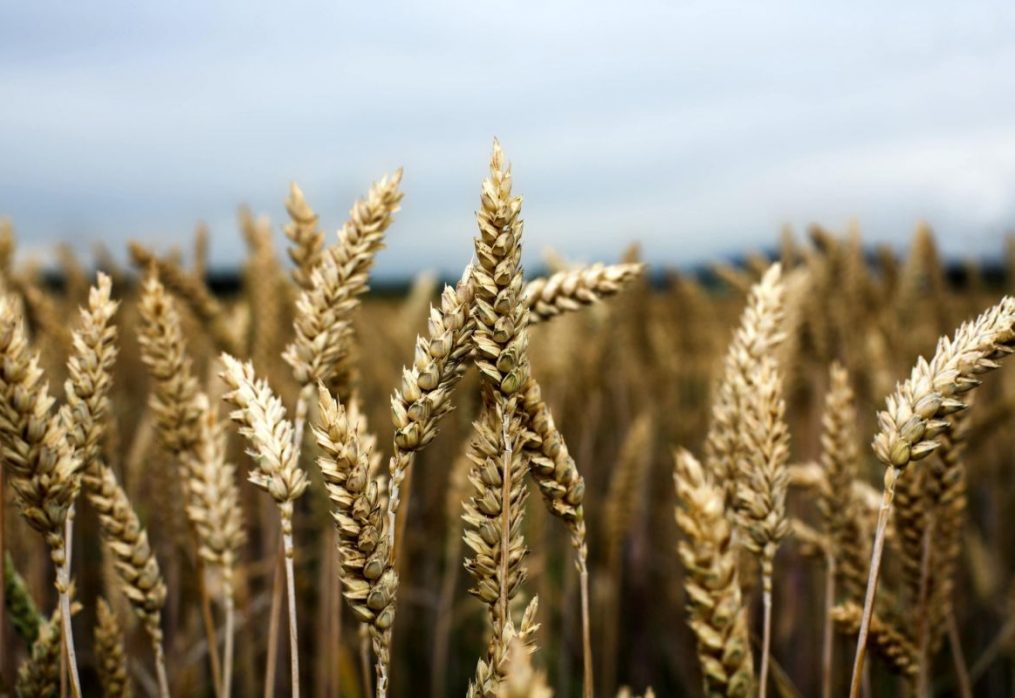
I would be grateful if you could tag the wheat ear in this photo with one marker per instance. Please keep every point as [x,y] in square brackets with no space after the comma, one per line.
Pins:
[174,402]
[571,290]
[493,517]
[134,562]
[39,674]
[368,579]
[717,612]
[523,681]
[23,613]
[262,421]
[759,333]
[305,235]
[916,415]
[38,457]
[841,513]
[424,396]
[336,283]
[110,658]
[762,485]
[213,507]
[893,647]
[193,292]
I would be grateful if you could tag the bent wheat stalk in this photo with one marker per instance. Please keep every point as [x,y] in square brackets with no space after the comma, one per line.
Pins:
[917,414]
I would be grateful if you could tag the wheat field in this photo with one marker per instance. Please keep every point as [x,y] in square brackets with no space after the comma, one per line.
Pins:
[782,477]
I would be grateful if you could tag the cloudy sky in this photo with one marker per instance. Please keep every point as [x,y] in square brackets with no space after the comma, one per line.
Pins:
[697,128]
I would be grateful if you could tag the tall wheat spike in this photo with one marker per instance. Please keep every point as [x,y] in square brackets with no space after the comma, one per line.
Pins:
[135,564]
[718,615]
[38,457]
[916,415]
[110,659]
[368,578]
[273,447]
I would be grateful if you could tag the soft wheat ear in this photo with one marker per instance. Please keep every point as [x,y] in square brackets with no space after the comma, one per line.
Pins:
[574,289]
[369,582]
[135,564]
[717,612]
[916,416]
[110,659]
[272,445]
[38,456]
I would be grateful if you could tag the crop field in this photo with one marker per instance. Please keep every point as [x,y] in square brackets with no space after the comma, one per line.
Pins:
[786,476]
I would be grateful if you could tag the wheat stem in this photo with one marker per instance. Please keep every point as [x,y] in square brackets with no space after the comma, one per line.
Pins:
[872,587]
[828,635]
[68,636]
[160,667]
[294,646]
[583,579]
[274,619]
[227,654]
[766,637]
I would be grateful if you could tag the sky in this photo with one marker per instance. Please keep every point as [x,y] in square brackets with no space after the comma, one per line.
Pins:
[695,128]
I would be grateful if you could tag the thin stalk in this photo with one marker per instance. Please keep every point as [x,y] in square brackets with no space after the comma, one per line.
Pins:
[766,638]
[227,655]
[442,631]
[68,537]
[160,668]
[828,636]
[872,587]
[274,618]
[923,668]
[583,576]
[294,645]
[958,657]
[209,629]
[68,633]
[364,660]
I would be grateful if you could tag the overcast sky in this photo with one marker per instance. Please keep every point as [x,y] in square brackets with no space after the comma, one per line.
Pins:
[697,128]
